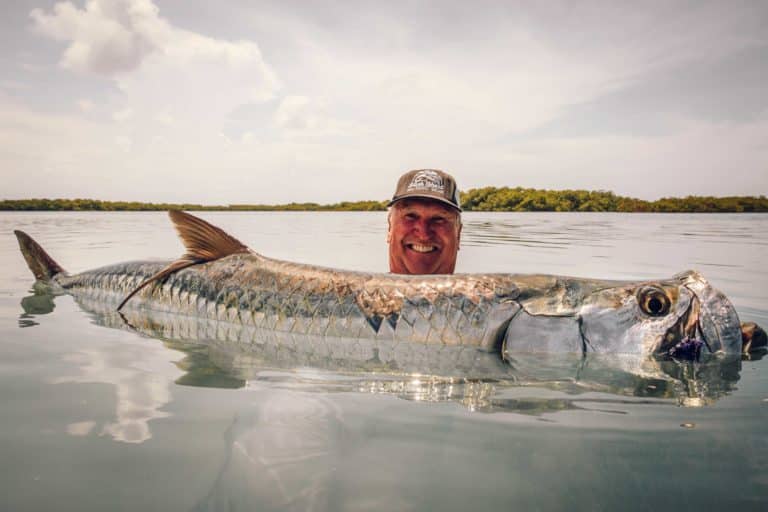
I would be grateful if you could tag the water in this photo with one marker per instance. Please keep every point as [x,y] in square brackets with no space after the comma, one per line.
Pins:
[98,418]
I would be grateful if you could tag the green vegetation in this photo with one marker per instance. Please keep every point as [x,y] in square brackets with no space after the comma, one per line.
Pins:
[518,199]
[494,199]
[108,206]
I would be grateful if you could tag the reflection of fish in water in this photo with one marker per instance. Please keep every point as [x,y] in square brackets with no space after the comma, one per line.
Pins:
[37,304]
[226,354]
[219,278]
[223,354]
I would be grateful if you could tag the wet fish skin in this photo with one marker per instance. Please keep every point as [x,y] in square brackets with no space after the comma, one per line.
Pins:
[530,313]
[249,289]
[494,312]
[248,356]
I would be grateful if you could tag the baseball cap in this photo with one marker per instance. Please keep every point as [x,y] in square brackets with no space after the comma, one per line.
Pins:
[430,184]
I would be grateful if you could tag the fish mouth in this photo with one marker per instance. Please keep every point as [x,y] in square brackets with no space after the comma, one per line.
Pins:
[709,325]
[422,248]
[685,338]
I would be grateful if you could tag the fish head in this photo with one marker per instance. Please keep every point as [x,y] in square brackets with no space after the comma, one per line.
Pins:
[718,324]
[684,314]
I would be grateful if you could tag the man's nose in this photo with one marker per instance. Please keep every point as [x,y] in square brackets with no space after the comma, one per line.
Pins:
[423,227]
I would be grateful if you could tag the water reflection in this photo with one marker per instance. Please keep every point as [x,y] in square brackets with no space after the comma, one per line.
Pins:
[39,303]
[281,455]
[141,386]
[487,397]
[140,392]
[688,383]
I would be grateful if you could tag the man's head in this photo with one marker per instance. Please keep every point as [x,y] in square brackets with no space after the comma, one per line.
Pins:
[424,223]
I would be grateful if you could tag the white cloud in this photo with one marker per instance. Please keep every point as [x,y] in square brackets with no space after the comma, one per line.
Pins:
[124,143]
[297,113]
[171,93]
[384,95]
[700,159]
[32,68]
[303,117]
[85,105]
[164,118]
[122,115]
[157,67]
[107,37]
[12,85]
[80,428]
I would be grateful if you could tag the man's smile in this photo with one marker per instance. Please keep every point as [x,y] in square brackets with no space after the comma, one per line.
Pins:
[422,247]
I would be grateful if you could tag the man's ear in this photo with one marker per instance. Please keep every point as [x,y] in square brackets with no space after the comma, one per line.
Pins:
[458,237]
[389,229]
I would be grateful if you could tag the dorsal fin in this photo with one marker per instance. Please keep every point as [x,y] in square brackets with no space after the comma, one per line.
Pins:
[204,242]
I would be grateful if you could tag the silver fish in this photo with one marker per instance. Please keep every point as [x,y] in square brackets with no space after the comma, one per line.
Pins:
[221,279]
[226,354]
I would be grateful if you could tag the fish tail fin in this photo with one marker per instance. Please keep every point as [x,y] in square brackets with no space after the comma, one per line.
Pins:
[39,262]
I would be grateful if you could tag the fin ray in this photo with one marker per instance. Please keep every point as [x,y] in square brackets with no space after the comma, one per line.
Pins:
[39,262]
[170,269]
[204,242]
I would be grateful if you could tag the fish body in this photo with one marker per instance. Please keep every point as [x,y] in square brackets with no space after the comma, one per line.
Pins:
[220,279]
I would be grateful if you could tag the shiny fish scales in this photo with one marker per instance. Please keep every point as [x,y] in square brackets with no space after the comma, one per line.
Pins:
[270,294]
[221,280]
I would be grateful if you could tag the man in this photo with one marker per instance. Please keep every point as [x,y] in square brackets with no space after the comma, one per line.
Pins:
[424,223]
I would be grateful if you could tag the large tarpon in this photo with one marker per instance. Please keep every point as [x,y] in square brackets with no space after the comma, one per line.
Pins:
[219,278]
[226,354]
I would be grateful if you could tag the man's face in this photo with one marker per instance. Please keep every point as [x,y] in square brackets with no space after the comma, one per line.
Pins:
[423,237]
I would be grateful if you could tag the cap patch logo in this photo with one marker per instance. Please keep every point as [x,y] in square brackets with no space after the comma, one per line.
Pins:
[427,180]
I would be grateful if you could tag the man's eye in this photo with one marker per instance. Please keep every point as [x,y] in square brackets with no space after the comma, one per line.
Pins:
[411,216]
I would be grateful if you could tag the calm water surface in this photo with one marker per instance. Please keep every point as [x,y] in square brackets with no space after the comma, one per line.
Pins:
[98,418]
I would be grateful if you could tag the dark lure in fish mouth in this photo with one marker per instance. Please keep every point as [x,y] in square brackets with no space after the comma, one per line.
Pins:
[754,339]
[689,349]
[684,340]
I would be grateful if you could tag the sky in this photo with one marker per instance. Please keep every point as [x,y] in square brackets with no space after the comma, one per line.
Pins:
[247,101]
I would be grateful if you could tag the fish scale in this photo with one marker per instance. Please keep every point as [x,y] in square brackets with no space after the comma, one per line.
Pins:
[270,296]
[220,280]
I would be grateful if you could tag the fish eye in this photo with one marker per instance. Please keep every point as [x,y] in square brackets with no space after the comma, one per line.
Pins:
[653,301]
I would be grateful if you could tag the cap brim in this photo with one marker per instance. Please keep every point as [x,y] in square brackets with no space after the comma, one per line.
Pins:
[421,195]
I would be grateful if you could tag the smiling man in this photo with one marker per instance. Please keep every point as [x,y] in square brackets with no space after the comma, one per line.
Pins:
[424,223]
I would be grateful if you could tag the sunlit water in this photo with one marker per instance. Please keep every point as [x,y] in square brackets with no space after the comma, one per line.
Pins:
[100,418]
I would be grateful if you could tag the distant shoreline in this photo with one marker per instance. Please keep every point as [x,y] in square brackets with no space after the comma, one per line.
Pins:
[488,199]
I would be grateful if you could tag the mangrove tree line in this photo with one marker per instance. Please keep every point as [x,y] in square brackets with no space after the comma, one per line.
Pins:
[487,199]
